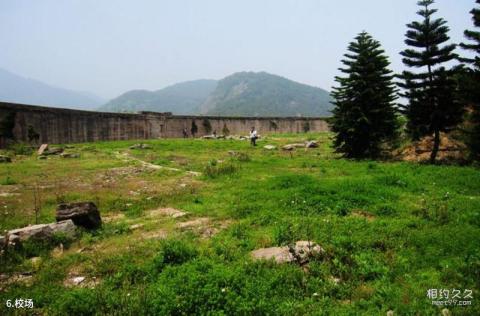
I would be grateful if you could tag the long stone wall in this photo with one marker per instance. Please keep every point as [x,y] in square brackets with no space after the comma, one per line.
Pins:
[37,124]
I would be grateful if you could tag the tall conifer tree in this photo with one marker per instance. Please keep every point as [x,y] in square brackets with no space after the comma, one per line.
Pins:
[471,88]
[364,116]
[433,107]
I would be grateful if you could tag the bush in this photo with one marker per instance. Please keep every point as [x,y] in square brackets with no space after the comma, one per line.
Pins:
[21,149]
[174,252]
[243,157]
[215,171]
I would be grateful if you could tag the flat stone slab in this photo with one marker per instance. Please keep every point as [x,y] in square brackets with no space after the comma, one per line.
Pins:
[167,211]
[300,252]
[278,254]
[42,149]
[270,147]
[41,231]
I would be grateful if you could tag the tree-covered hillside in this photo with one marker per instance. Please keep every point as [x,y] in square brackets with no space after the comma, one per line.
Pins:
[181,98]
[263,94]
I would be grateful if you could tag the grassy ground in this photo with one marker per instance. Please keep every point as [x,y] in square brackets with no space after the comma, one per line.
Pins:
[391,231]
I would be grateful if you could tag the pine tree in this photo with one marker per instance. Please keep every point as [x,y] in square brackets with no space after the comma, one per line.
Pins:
[471,86]
[364,116]
[433,106]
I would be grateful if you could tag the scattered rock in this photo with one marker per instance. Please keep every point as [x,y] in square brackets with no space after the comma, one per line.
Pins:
[270,147]
[5,159]
[42,149]
[167,211]
[209,137]
[312,144]
[288,147]
[278,254]
[53,151]
[140,146]
[390,313]
[303,250]
[69,155]
[136,226]
[80,281]
[84,214]
[157,234]
[300,252]
[40,231]
[194,223]
[25,278]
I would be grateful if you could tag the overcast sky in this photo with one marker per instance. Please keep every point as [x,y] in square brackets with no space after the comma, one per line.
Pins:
[110,46]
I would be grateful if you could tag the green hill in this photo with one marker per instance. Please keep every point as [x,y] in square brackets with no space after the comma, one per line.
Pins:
[181,98]
[263,94]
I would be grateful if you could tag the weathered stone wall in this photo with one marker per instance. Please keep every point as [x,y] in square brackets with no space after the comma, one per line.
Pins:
[37,124]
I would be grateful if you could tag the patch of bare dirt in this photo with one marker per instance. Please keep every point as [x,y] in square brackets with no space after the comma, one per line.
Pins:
[204,226]
[363,214]
[450,150]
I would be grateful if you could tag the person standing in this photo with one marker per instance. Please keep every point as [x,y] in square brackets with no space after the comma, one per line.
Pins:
[253,136]
[185,133]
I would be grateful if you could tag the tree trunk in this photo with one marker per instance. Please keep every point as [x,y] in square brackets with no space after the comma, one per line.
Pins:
[436,146]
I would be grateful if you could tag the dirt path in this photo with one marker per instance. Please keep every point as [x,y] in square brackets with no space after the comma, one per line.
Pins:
[126,156]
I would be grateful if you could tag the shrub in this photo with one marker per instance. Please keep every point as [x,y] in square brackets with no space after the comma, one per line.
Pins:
[21,149]
[215,171]
[174,252]
[7,181]
[243,157]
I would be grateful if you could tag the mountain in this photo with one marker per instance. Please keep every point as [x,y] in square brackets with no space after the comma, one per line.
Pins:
[263,94]
[181,98]
[17,89]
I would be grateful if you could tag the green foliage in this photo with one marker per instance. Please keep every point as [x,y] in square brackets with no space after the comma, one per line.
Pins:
[470,86]
[194,128]
[214,170]
[225,130]
[306,126]
[180,98]
[433,105]
[207,126]
[263,94]
[19,148]
[174,252]
[364,115]
[7,181]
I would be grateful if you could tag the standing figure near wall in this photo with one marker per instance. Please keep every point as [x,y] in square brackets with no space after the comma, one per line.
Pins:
[253,137]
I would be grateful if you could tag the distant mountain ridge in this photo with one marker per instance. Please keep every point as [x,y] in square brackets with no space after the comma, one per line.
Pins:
[240,94]
[180,98]
[17,89]
[264,94]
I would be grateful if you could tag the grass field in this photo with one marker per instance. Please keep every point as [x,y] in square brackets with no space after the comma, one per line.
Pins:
[391,231]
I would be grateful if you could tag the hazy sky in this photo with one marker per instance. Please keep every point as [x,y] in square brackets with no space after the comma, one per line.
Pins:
[110,46]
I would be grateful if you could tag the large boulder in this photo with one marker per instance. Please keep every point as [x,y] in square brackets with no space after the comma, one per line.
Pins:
[40,232]
[84,214]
